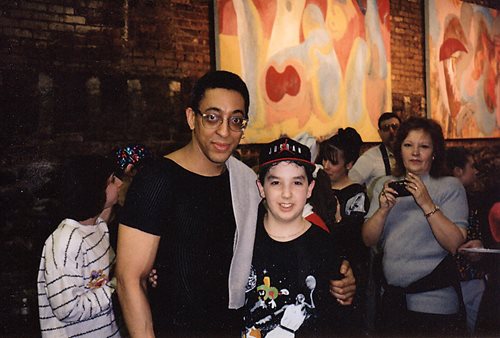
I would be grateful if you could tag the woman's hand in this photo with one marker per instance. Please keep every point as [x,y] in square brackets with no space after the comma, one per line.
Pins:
[473,243]
[387,197]
[419,191]
[447,233]
[373,226]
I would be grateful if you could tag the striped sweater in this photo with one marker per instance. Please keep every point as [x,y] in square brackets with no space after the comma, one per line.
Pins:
[74,293]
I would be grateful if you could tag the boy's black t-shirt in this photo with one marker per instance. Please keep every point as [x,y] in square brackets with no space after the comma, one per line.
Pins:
[288,289]
[193,214]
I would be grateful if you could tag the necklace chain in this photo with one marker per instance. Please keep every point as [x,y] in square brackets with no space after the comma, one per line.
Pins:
[294,235]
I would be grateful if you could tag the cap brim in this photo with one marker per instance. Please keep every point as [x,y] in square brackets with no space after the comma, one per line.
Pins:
[290,159]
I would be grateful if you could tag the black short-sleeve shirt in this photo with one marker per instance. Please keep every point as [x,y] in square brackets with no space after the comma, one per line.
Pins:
[193,214]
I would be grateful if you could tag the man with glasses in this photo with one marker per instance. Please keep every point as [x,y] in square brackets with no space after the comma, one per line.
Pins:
[377,162]
[192,216]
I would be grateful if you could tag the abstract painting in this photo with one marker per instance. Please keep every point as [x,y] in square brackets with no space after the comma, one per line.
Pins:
[312,66]
[463,64]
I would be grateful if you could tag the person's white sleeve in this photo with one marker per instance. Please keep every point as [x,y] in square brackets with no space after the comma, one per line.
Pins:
[361,171]
[72,295]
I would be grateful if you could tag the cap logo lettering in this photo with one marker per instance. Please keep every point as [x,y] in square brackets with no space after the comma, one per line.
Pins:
[285,149]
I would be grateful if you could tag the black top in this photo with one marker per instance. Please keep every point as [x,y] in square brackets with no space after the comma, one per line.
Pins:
[193,214]
[354,205]
[288,287]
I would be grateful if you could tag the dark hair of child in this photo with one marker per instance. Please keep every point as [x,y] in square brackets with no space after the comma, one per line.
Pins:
[323,199]
[83,186]
[347,140]
[457,157]
[265,169]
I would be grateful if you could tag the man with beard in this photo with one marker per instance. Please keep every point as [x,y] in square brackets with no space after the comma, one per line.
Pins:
[377,161]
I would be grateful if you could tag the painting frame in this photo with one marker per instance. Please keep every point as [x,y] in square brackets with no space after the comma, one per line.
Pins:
[462,45]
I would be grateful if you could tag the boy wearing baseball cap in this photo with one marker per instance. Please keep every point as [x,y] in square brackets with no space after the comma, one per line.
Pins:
[293,260]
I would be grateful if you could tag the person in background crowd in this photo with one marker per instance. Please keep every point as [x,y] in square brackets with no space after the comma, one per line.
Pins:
[377,161]
[487,324]
[322,207]
[337,155]
[488,162]
[372,165]
[194,212]
[293,259]
[128,161]
[460,163]
[419,226]
[74,279]
[494,221]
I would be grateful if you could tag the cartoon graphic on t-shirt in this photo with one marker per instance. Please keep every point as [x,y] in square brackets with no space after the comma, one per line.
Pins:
[268,293]
[311,285]
[355,204]
[285,321]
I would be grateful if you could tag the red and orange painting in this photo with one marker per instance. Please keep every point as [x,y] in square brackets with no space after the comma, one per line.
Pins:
[463,46]
[312,66]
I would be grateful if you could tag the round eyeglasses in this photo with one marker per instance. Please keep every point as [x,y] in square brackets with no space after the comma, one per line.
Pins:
[213,120]
[393,126]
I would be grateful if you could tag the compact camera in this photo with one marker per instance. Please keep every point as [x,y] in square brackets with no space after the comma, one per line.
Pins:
[400,188]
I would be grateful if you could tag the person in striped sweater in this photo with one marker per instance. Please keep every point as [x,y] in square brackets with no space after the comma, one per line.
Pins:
[74,279]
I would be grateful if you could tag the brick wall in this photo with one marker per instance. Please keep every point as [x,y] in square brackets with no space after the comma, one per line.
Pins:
[407,53]
[75,76]
[168,38]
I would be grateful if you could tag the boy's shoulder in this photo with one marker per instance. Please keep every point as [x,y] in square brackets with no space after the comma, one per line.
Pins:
[318,232]
[317,240]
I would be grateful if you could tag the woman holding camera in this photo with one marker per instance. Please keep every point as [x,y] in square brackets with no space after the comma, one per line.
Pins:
[419,224]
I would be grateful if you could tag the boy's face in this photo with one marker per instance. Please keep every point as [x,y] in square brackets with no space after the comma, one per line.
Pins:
[112,190]
[286,191]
